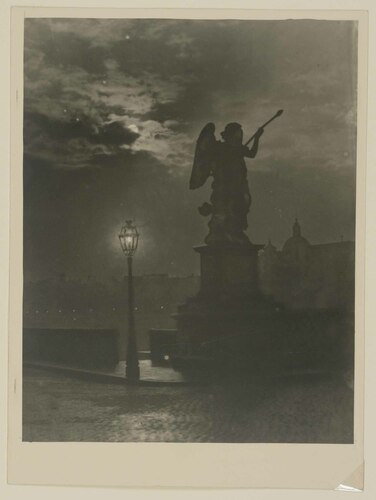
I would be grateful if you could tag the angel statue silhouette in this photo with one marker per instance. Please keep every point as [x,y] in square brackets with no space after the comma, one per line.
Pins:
[230,199]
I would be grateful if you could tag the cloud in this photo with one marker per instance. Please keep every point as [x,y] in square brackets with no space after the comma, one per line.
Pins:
[97,32]
[167,78]
[76,94]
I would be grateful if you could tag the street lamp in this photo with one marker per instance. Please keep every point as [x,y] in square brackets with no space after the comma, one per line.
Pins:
[129,240]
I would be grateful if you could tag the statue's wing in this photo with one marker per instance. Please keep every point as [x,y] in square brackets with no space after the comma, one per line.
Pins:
[204,157]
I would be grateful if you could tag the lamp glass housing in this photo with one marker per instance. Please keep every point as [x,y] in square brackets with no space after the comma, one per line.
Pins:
[128,238]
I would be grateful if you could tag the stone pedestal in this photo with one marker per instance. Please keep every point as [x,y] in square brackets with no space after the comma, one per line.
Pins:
[229,321]
[228,270]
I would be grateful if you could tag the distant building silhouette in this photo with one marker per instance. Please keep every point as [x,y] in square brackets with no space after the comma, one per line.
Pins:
[68,303]
[308,276]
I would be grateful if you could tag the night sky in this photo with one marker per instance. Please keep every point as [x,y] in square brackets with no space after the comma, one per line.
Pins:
[112,112]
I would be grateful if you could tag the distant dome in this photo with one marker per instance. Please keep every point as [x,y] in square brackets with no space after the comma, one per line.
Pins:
[295,242]
[296,248]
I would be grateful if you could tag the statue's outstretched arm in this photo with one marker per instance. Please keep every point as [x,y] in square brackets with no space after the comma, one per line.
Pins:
[251,153]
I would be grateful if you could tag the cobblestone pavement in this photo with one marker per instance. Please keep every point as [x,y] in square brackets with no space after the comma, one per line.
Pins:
[296,410]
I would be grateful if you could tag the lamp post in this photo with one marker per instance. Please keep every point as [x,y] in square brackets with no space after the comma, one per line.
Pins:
[129,240]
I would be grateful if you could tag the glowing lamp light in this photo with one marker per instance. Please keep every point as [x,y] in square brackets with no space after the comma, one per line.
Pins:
[129,238]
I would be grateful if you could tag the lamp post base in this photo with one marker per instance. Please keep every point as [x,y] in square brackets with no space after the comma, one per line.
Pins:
[132,373]
[132,368]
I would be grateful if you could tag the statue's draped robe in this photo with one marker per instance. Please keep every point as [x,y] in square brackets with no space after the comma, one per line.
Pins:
[230,197]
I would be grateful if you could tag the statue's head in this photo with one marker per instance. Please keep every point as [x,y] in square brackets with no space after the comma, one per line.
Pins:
[233,134]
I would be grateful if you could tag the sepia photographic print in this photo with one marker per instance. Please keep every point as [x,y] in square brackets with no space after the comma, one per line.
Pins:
[190,224]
